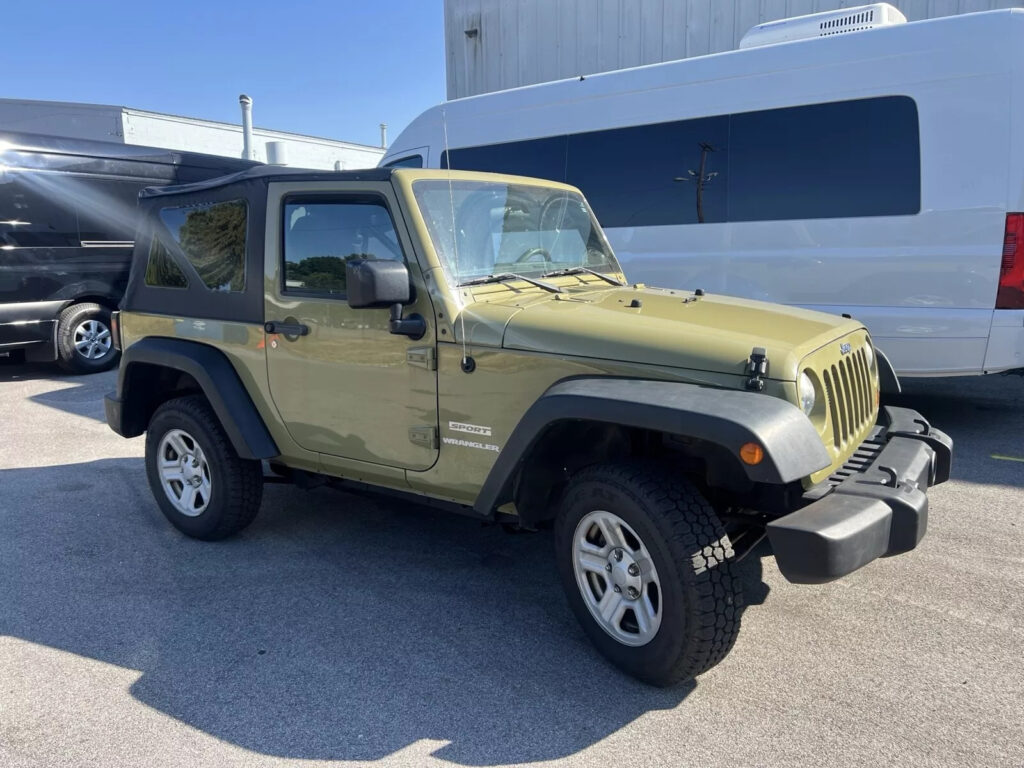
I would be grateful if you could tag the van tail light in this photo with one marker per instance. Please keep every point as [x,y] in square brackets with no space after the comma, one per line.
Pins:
[115,329]
[1011,275]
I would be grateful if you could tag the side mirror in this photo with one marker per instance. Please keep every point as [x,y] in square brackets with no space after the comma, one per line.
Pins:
[375,284]
[371,283]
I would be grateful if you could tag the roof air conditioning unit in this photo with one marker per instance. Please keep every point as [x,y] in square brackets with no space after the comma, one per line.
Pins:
[823,24]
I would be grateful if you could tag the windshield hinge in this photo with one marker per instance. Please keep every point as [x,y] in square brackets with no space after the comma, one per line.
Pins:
[422,357]
[757,366]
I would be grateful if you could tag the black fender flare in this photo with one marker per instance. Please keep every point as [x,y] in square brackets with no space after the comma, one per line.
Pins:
[729,418]
[128,409]
[888,381]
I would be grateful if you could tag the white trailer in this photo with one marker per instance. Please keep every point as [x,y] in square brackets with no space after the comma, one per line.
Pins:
[137,127]
[877,173]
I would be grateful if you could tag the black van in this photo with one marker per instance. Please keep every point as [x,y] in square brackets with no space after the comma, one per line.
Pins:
[67,220]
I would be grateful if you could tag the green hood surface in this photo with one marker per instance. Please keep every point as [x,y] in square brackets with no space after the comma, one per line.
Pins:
[669,328]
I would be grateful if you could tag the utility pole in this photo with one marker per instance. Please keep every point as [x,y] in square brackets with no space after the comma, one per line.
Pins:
[701,178]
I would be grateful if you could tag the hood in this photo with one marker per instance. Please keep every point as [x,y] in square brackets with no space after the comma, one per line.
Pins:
[662,327]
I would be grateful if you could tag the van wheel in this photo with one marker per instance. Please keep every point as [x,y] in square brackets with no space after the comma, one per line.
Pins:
[202,485]
[84,341]
[647,568]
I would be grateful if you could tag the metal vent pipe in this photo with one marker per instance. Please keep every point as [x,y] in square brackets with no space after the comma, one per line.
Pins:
[383,135]
[248,151]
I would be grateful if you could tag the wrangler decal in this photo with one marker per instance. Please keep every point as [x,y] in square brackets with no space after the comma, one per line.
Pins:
[471,444]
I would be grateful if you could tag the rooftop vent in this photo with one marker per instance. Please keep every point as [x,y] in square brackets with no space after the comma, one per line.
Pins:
[823,24]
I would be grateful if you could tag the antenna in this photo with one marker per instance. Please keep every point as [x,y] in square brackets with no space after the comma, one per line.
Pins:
[455,241]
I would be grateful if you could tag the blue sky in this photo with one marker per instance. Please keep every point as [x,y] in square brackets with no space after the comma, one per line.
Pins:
[334,68]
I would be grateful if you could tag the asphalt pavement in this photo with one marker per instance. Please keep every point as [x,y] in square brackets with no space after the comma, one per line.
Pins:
[343,628]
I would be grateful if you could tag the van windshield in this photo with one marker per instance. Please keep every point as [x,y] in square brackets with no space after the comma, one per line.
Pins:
[481,229]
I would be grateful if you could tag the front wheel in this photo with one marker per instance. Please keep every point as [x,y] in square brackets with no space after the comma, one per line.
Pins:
[204,488]
[84,340]
[646,566]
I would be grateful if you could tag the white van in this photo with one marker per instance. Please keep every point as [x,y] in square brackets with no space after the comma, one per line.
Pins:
[878,173]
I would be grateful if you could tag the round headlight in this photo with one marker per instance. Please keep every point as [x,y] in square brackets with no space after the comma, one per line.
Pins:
[869,354]
[806,389]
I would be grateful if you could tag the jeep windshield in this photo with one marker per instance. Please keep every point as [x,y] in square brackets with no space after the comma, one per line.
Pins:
[492,232]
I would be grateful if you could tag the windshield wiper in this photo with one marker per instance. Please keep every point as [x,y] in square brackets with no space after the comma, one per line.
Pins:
[588,270]
[503,276]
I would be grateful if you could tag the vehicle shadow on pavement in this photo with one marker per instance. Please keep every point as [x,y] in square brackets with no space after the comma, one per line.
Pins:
[985,417]
[82,397]
[336,627]
[15,370]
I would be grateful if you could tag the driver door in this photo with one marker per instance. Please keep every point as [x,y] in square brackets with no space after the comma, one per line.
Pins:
[343,385]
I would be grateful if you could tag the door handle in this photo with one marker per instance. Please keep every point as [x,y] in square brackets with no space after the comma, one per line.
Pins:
[286,329]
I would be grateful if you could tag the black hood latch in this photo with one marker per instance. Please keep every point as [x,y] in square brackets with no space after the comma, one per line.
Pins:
[757,366]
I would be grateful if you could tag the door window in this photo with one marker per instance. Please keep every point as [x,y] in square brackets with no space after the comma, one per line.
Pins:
[320,236]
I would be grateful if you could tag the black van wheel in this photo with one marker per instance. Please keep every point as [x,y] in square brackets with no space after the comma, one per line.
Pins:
[647,568]
[84,341]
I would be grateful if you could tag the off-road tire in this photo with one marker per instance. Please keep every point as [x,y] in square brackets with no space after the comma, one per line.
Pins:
[68,357]
[701,597]
[236,483]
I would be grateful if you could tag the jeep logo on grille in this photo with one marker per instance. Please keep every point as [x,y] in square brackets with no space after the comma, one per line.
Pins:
[845,349]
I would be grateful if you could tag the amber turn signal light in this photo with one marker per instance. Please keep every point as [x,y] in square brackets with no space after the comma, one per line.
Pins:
[751,453]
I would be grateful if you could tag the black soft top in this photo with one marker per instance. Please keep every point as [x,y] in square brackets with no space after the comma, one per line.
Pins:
[266,174]
[195,300]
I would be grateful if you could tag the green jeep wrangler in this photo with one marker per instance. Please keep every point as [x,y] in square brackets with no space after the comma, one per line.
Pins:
[469,341]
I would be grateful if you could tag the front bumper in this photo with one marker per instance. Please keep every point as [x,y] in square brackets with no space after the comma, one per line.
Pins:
[874,505]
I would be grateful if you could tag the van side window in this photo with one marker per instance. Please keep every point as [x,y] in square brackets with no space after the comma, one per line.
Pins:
[161,271]
[836,160]
[412,161]
[540,158]
[35,212]
[653,174]
[320,236]
[107,208]
[213,238]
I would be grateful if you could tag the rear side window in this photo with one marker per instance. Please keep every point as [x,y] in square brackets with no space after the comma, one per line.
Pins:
[213,238]
[321,235]
[161,271]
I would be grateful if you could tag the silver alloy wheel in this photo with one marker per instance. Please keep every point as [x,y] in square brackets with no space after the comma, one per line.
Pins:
[617,578]
[92,339]
[184,473]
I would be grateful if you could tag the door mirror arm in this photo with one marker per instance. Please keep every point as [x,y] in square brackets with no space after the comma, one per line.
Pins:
[413,326]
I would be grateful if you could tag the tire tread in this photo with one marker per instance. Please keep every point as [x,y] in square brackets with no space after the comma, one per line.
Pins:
[696,539]
[242,478]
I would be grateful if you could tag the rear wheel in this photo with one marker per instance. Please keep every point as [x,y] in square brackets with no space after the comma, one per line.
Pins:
[202,485]
[84,341]
[646,566]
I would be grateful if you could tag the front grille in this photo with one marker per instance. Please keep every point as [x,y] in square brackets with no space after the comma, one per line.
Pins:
[862,457]
[851,397]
